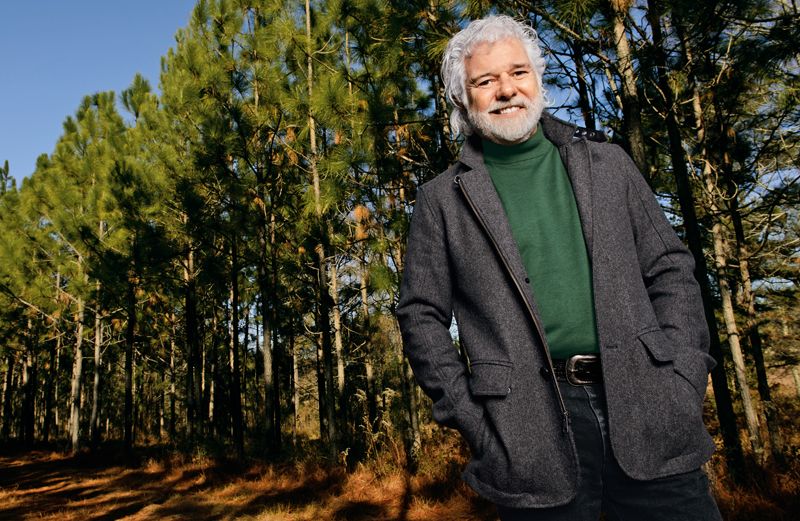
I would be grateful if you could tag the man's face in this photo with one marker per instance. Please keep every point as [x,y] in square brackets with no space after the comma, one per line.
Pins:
[505,101]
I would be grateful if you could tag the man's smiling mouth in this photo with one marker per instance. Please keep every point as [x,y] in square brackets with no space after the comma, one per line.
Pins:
[507,110]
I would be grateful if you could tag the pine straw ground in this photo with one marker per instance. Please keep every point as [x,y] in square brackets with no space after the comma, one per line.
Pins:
[52,486]
[165,485]
[46,485]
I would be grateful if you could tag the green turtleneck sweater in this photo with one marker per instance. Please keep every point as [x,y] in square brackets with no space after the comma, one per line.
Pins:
[537,196]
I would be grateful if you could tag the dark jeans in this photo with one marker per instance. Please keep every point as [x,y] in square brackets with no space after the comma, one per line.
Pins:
[606,488]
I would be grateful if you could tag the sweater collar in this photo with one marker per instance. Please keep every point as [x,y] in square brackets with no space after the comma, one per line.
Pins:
[557,131]
[533,147]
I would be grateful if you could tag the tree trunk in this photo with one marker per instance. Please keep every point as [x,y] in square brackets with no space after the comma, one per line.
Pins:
[94,422]
[172,386]
[296,389]
[29,387]
[75,389]
[8,393]
[267,293]
[719,380]
[193,365]
[733,340]
[751,327]
[584,100]
[245,345]
[162,405]
[721,265]
[632,114]
[367,336]
[130,332]
[276,361]
[209,383]
[413,438]
[49,385]
[235,396]
[323,295]
[337,336]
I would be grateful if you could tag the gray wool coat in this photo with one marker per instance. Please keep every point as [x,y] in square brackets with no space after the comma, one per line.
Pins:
[499,390]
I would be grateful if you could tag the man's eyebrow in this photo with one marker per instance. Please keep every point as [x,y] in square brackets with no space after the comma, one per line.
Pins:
[514,66]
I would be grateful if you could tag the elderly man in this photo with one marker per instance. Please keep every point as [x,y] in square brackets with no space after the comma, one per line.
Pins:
[583,362]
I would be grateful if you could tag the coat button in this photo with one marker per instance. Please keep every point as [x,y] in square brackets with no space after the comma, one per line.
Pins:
[527,280]
[545,371]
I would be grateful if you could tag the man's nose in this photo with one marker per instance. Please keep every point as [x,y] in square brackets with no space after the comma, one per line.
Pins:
[505,87]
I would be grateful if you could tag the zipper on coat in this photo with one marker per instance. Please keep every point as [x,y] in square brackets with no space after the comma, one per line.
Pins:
[537,325]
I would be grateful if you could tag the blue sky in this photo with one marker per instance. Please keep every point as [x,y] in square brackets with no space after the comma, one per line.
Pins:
[54,52]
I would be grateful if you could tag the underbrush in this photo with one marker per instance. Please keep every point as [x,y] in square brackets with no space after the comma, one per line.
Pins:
[301,484]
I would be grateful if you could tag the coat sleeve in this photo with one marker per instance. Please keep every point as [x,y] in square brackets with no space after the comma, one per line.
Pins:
[424,314]
[667,269]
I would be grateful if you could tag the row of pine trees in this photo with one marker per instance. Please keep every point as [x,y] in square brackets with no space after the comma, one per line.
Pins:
[216,263]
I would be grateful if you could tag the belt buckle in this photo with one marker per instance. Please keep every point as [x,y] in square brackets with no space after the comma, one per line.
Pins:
[571,370]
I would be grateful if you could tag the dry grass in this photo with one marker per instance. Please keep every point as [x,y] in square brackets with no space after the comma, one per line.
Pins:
[51,486]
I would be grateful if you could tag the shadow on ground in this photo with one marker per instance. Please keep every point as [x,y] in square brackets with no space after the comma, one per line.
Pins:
[47,485]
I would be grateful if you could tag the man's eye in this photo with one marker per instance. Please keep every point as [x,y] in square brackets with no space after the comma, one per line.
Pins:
[520,74]
[484,83]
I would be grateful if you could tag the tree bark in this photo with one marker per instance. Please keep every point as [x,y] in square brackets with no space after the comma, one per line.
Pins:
[193,365]
[296,389]
[413,439]
[337,335]
[719,380]
[721,265]
[584,101]
[367,332]
[172,386]
[632,113]
[50,379]
[751,328]
[75,388]
[235,395]
[29,387]
[323,295]
[130,332]
[94,421]
[8,393]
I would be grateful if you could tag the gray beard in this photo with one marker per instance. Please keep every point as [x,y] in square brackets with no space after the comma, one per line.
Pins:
[514,131]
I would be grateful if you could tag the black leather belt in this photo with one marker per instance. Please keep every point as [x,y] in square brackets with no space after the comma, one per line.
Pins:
[579,369]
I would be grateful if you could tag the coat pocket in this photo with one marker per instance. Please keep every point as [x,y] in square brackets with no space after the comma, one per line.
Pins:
[657,345]
[490,377]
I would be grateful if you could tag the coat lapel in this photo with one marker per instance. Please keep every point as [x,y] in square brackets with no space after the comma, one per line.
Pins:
[477,184]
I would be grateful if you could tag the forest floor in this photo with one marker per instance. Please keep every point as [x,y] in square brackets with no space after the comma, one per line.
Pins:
[47,485]
[159,483]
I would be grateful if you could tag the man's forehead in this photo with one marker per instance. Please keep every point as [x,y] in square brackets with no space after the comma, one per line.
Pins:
[486,46]
[503,54]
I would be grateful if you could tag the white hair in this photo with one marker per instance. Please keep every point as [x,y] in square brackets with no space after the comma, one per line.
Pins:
[490,29]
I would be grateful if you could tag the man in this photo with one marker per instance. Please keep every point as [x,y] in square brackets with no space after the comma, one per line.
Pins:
[551,252]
